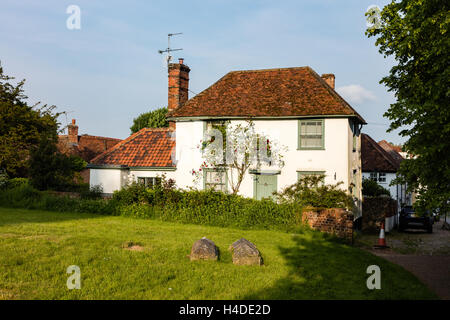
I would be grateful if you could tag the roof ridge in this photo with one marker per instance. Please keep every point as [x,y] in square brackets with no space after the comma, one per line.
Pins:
[269,69]
[390,149]
[383,152]
[333,92]
[134,135]
[130,138]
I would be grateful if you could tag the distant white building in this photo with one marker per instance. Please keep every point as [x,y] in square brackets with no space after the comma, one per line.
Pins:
[296,106]
[380,162]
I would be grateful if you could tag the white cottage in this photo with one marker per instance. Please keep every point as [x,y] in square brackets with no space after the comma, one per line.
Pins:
[380,163]
[295,105]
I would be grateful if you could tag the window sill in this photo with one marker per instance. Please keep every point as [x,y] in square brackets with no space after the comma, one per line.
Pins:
[322,148]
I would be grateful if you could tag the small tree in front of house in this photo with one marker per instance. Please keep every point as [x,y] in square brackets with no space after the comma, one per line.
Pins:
[235,149]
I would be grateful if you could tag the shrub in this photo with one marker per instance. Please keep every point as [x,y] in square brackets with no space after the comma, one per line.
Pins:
[92,193]
[372,189]
[3,180]
[21,196]
[17,182]
[310,191]
[206,207]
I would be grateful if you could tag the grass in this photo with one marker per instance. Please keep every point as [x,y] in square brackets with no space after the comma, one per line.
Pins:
[36,247]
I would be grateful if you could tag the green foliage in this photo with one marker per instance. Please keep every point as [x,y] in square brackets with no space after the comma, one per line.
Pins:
[169,204]
[49,168]
[207,207]
[26,196]
[3,180]
[372,189]
[309,191]
[204,207]
[416,34]
[92,193]
[152,119]
[21,126]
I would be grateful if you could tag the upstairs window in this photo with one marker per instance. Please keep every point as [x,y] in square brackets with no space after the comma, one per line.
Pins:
[356,132]
[311,134]
[378,176]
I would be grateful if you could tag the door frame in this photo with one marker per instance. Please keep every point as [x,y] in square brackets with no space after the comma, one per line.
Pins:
[256,173]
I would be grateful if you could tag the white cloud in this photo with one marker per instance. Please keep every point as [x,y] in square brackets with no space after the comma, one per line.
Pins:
[354,93]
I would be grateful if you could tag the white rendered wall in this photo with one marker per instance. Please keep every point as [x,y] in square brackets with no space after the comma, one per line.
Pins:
[109,179]
[188,156]
[334,160]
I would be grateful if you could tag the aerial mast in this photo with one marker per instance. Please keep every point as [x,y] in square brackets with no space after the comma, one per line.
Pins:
[169,49]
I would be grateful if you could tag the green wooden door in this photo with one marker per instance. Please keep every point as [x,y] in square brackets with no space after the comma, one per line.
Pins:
[264,186]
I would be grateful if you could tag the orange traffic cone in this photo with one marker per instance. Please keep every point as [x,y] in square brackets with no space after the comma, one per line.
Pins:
[381,239]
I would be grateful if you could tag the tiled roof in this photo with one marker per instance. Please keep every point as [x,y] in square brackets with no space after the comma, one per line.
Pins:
[148,147]
[286,92]
[87,147]
[375,158]
[392,150]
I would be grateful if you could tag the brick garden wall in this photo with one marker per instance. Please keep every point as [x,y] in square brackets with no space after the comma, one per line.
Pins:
[335,221]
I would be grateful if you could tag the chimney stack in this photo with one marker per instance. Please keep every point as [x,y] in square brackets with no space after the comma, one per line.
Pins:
[178,86]
[72,131]
[329,79]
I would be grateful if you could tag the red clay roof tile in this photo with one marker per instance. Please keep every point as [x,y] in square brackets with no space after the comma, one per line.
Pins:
[267,93]
[149,147]
[88,147]
[375,158]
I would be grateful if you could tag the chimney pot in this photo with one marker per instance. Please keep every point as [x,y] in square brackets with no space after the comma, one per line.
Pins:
[329,79]
[178,86]
[72,132]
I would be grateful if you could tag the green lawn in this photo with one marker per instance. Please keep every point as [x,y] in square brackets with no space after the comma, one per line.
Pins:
[36,247]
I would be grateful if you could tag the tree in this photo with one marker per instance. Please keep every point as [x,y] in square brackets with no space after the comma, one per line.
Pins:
[371,188]
[416,34]
[28,140]
[21,126]
[49,168]
[152,119]
[236,148]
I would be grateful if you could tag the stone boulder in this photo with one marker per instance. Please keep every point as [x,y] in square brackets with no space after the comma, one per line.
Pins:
[245,253]
[204,249]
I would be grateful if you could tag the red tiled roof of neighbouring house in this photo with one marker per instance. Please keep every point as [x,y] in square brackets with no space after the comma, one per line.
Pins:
[149,147]
[285,92]
[375,158]
[87,147]
[394,151]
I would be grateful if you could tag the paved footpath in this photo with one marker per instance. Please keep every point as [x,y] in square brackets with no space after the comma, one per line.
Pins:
[434,271]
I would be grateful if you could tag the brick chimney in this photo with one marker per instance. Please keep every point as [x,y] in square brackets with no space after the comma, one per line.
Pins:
[329,79]
[72,130]
[178,86]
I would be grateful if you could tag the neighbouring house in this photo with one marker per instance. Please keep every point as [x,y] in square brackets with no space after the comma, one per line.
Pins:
[296,105]
[143,157]
[85,146]
[380,162]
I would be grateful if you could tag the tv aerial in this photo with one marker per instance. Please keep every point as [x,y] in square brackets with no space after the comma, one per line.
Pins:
[169,49]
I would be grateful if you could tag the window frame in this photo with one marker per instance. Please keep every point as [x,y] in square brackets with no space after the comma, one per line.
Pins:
[225,178]
[299,140]
[154,181]
[306,172]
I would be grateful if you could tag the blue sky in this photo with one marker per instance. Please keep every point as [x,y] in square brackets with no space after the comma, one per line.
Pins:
[109,71]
